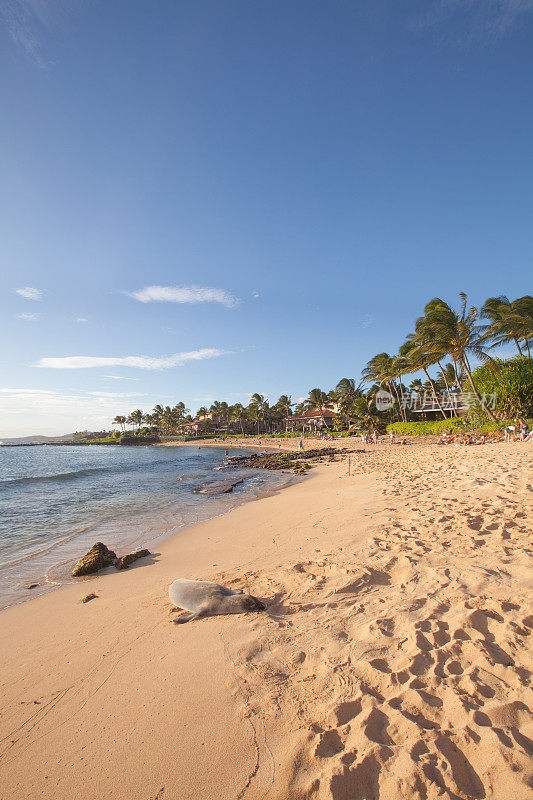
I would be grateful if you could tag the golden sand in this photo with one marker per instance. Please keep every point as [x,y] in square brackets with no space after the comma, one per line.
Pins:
[394,660]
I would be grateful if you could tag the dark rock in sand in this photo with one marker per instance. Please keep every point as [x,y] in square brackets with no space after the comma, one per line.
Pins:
[88,597]
[219,487]
[124,561]
[98,557]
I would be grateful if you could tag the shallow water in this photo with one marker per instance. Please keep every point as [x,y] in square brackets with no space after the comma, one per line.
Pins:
[56,502]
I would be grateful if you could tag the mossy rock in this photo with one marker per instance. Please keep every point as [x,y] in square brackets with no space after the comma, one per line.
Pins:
[98,557]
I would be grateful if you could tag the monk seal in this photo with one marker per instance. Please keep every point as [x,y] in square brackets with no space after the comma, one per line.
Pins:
[207,599]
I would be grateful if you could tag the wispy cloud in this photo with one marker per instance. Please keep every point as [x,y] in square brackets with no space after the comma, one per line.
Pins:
[481,20]
[120,378]
[28,22]
[138,362]
[82,319]
[184,294]
[28,317]
[29,293]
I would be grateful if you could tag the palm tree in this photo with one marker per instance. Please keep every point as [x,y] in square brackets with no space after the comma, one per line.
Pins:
[317,400]
[259,401]
[366,412]
[346,393]
[253,414]
[443,330]
[170,419]
[180,410]
[418,355]
[509,321]
[238,413]
[383,369]
[120,420]
[136,418]
[283,408]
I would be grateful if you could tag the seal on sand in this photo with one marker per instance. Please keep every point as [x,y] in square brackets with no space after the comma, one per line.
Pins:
[206,599]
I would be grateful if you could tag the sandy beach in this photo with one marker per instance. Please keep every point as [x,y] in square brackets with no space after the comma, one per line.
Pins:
[393,661]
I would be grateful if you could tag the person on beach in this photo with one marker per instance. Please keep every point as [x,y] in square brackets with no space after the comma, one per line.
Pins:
[301,445]
[392,437]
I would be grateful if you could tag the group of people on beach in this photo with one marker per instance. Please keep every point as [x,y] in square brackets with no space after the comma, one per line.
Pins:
[518,432]
[461,441]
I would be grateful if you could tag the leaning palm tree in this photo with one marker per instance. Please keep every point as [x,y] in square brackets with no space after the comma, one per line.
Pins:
[383,369]
[509,321]
[418,355]
[443,330]
[120,420]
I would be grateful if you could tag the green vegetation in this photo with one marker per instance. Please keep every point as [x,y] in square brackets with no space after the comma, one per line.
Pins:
[457,425]
[511,382]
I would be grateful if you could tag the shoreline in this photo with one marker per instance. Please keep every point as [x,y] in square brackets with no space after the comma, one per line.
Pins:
[394,644]
[53,580]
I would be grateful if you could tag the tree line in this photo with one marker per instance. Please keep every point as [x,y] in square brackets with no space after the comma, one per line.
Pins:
[440,333]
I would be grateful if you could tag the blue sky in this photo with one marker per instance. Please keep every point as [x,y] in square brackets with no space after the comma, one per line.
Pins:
[300,177]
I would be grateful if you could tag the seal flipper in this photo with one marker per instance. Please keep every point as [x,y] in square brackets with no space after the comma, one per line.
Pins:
[184,618]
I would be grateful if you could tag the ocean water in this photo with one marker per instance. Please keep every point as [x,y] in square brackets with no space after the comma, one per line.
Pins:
[56,502]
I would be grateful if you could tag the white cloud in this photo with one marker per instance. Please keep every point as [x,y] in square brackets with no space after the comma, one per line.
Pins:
[138,362]
[82,319]
[116,394]
[255,295]
[120,378]
[29,317]
[367,321]
[29,293]
[184,294]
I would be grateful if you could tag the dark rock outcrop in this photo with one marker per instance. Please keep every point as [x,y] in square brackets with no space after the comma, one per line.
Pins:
[296,461]
[124,561]
[88,598]
[219,487]
[98,557]
[129,439]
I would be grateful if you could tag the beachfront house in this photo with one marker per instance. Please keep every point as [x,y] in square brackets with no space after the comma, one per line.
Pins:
[310,422]
[455,403]
[206,423]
